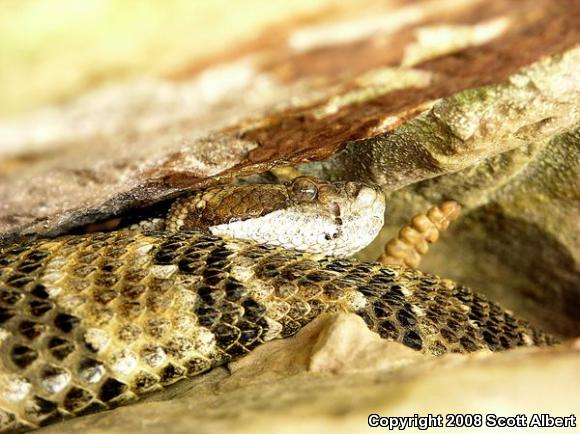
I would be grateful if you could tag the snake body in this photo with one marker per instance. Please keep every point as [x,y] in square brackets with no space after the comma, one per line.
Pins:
[89,322]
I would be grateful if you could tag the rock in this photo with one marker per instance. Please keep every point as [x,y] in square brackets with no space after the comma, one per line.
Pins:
[330,344]
[518,237]
[461,131]
[60,194]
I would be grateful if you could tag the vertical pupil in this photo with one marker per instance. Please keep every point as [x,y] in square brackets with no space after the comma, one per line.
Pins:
[306,189]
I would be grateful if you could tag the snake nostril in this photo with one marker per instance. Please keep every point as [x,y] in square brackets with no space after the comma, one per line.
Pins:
[327,237]
[335,208]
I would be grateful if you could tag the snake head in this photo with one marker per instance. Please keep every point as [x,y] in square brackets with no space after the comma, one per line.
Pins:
[349,214]
[307,214]
[331,218]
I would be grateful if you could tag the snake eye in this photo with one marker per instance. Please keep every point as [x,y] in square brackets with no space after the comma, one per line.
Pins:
[304,189]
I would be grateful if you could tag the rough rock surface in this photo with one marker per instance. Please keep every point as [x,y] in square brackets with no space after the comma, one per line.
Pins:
[475,101]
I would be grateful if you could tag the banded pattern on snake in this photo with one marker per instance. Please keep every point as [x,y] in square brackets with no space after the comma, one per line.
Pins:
[89,322]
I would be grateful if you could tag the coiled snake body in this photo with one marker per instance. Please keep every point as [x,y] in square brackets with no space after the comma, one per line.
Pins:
[88,322]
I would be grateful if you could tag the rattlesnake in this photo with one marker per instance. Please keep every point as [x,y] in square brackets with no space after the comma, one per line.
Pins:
[91,321]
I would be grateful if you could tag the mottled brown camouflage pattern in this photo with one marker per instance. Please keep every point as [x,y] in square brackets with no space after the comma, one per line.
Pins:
[227,203]
[90,322]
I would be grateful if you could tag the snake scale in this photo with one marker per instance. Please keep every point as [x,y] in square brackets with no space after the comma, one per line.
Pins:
[92,321]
